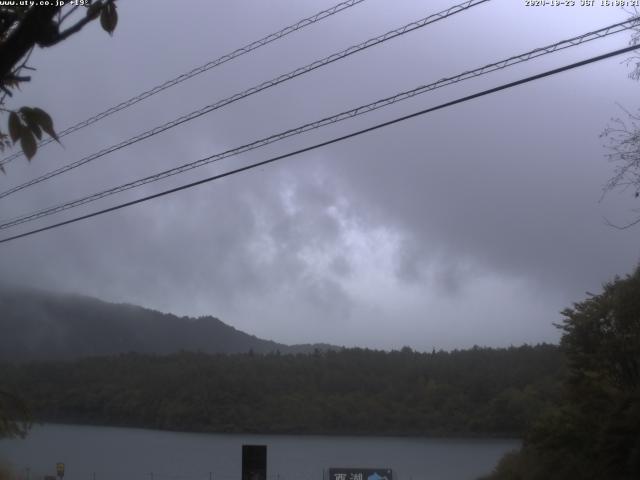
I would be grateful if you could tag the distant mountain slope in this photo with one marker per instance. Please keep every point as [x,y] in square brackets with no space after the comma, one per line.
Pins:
[39,325]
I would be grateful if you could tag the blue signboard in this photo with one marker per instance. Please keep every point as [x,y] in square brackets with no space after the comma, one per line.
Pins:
[360,474]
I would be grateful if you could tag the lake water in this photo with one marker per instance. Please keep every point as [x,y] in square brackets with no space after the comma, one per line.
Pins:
[105,453]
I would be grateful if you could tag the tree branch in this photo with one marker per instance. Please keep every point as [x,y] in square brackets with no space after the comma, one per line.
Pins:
[70,12]
[622,227]
[32,30]
[71,30]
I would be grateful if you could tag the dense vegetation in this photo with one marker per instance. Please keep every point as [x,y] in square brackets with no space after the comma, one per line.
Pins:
[15,416]
[594,433]
[478,391]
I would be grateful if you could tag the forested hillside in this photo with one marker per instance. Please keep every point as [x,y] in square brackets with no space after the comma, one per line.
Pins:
[39,325]
[479,391]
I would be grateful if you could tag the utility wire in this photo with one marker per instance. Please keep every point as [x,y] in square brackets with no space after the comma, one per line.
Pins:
[196,71]
[332,141]
[263,86]
[327,121]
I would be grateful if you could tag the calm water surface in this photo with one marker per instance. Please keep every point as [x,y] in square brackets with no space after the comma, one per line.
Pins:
[135,454]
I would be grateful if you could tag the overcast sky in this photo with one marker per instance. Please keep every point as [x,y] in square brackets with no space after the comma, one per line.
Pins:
[473,225]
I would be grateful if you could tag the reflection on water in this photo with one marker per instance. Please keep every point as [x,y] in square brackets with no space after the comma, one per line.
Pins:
[106,453]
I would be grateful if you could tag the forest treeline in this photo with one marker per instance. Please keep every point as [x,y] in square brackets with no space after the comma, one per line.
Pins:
[480,391]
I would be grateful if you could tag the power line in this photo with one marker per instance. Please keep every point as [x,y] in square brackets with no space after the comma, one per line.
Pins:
[305,22]
[332,141]
[597,34]
[263,86]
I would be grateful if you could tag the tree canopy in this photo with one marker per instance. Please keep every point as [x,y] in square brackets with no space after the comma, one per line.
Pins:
[23,27]
[623,136]
[594,433]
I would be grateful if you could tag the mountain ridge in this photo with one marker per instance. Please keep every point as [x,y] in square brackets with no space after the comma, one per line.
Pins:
[41,325]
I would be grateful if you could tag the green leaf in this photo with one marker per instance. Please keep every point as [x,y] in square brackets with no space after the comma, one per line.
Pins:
[94,10]
[15,126]
[109,17]
[35,129]
[28,144]
[43,119]
[31,118]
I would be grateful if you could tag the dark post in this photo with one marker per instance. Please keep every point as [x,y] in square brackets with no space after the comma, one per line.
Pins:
[254,462]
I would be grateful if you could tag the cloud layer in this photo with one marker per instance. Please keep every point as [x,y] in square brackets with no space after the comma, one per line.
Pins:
[473,225]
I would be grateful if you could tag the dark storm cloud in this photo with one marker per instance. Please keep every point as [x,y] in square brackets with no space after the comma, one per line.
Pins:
[476,224]
[516,192]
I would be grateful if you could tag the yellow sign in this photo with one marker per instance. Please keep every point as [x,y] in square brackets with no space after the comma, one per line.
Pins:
[60,469]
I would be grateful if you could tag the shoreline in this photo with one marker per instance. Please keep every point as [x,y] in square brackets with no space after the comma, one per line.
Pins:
[389,435]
